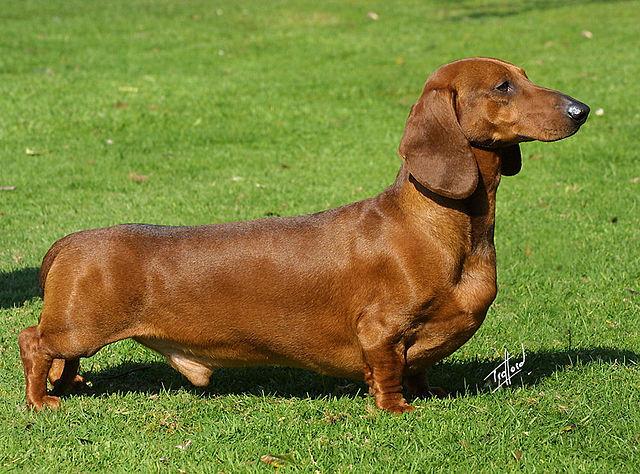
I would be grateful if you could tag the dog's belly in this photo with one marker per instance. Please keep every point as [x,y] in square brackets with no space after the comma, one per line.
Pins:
[197,363]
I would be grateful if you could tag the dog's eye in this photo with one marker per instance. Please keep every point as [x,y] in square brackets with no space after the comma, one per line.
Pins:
[504,86]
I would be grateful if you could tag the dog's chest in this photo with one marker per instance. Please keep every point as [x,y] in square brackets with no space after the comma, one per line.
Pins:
[440,337]
[455,314]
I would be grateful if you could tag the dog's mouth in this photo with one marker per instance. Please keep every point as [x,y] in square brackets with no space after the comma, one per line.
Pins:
[555,134]
[550,133]
[524,138]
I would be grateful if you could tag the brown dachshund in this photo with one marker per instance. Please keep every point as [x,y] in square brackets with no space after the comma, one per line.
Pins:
[380,289]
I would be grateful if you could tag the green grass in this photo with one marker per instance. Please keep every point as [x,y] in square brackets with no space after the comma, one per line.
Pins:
[186,113]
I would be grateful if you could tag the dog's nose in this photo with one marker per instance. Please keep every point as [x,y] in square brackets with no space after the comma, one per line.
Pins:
[578,111]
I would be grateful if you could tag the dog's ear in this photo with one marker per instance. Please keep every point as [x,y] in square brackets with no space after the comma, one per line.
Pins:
[436,151]
[510,160]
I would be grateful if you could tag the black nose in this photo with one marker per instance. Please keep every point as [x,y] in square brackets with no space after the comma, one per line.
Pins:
[578,111]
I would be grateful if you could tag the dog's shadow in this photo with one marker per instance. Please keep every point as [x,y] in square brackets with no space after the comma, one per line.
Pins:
[458,377]
[18,287]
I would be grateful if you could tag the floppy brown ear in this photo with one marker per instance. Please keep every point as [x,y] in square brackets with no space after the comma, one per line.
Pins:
[436,151]
[510,160]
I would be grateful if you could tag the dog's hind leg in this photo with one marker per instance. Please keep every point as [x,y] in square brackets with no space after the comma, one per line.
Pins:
[64,376]
[53,349]
[36,362]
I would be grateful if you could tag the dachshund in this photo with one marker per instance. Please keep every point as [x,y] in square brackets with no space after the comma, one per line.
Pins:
[378,290]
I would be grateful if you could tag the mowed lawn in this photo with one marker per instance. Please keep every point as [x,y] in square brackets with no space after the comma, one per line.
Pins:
[201,112]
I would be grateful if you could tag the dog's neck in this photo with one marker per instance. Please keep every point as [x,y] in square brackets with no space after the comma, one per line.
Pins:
[479,208]
[482,203]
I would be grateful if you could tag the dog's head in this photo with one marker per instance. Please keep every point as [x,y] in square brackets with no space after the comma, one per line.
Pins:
[484,103]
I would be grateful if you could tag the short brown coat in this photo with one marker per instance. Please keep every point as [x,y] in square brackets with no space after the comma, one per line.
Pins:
[379,289]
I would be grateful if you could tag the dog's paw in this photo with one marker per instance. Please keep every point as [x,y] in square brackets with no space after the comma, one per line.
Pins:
[430,392]
[48,401]
[437,392]
[399,409]
[76,385]
[79,383]
[394,404]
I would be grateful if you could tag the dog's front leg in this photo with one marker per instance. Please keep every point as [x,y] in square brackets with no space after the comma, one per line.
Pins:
[418,386]
[384,366]
[385,384]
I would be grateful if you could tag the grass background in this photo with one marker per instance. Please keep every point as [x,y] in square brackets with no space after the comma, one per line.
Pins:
[200,112]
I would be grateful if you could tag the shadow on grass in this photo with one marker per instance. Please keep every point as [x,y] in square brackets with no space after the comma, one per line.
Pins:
[458,377]
[463,11]
[18,286]
[468,377]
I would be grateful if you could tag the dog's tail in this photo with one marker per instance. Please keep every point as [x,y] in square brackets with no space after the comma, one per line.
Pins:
[48,259]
